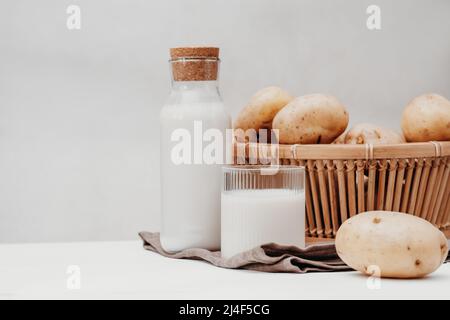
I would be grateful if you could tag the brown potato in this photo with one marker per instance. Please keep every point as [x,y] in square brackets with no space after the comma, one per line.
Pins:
[369,133]
[427,118]
[391,244]
[311,119]
[262,108]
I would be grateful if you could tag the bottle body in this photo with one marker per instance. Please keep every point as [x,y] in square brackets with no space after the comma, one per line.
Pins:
[190,187]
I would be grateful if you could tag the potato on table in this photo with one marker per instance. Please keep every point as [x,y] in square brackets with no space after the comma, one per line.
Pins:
[311,119]
[398,245]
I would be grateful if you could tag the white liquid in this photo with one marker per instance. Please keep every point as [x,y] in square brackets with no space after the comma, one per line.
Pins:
[190,192]
[251,218]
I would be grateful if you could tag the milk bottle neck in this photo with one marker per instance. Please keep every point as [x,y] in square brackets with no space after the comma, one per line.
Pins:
[195,85]
[193,92]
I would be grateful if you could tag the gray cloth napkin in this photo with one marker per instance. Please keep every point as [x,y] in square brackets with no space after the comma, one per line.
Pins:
[267,258]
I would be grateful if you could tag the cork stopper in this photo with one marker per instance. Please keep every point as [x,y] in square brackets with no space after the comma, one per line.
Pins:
[195,63]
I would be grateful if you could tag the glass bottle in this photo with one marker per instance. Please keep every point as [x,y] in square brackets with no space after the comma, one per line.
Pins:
[193,134]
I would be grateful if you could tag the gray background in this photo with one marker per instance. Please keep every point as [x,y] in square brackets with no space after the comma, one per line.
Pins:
[79,109]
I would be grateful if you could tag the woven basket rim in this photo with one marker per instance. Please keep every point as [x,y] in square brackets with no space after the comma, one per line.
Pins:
[434,149]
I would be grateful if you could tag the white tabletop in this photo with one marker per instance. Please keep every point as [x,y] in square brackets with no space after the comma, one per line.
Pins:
[123,270]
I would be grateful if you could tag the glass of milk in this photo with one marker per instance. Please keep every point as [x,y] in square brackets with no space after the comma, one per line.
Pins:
[261,205]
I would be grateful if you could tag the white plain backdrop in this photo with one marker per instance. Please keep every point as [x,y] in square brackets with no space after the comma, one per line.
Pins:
[79,109]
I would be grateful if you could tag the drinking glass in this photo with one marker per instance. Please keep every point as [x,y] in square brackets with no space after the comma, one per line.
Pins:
[262,205]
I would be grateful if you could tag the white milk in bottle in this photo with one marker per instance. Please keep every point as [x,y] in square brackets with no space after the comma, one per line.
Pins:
[192,119]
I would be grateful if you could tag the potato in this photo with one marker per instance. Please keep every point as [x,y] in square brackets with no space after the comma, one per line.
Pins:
[369,133]
[311,119]
[427,118]
[262,108]
[398,244]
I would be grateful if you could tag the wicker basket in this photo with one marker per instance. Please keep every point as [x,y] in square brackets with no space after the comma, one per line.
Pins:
[344,180]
